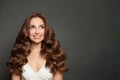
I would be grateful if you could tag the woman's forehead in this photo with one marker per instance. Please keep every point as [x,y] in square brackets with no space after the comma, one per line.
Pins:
[36,20]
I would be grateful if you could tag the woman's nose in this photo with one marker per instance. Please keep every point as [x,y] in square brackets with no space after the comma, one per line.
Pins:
[37,30]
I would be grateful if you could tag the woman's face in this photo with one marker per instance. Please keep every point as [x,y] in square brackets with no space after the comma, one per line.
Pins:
[37,29]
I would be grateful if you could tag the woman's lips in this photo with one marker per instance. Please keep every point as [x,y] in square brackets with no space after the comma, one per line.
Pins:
[37,37]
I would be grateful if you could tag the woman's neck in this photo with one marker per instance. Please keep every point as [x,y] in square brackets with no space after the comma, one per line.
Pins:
[35,48]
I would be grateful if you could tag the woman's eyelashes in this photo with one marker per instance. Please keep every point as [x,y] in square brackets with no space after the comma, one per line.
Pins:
[42,26]
[34,27]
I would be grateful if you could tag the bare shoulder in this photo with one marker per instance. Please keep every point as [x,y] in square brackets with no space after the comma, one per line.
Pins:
[58,76]
[15,77]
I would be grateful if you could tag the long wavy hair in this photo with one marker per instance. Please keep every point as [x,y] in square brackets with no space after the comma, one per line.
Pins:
[50,48]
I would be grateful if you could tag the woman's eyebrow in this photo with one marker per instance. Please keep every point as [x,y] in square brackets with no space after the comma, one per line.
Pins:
[32,25]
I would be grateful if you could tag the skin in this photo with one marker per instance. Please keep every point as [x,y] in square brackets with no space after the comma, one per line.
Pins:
[35,60]
[37,30]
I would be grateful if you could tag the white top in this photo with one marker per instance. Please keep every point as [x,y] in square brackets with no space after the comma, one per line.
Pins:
[42,74]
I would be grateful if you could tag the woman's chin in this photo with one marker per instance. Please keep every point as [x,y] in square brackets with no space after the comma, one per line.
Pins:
[36,42]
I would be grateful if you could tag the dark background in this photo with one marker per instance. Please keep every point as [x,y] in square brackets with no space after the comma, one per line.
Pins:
[88,30]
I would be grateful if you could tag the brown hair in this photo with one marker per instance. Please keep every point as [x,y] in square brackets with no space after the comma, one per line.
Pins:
[51,48]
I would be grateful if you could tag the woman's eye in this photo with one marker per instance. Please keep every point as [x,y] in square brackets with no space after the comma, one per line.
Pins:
[32,27]
[42,26]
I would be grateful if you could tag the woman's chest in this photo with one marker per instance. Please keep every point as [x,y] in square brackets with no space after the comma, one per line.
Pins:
[36,63]
[43,74]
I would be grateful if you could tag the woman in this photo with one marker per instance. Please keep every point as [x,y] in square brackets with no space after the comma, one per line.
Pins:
[36,54]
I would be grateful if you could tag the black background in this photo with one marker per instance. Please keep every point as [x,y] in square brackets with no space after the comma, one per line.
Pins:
[88,31]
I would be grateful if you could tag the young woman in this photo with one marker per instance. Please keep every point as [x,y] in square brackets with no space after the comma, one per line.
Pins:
[37,54]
